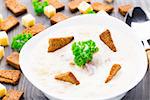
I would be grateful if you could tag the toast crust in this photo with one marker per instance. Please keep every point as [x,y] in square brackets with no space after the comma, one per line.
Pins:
[98,6]
[109,1]
[107,39]
[13,95]
[123,9]
[115,68]
[9,23]
[57,4]
[10,76]
[13,60]
[58,17]
[67,77]
[73,5]
[57,43]
[34,29]
[16,7]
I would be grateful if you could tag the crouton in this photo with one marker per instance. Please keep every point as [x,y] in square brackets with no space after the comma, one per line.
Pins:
[109,1]
[13,95]
[37,28]
[8,23]
[57,43]
[74,4]
[115,68]
[58,17]
[67,77]
[98,6]
[57,4]
[123,9]
[13,60]
[16,7]
[107,39]
[10,76]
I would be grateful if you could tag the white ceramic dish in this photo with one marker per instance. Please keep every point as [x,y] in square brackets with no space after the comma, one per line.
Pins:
[39,66]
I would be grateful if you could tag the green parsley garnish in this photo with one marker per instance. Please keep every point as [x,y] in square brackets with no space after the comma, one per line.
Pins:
[39,6]
[83,52]
[19,40]
[91,12]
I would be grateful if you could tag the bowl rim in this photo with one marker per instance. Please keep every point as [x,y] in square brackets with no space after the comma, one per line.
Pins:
[142,74]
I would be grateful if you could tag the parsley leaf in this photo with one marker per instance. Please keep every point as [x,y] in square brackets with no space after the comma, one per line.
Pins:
[83,52]
[39,6]
[91,12]
[19,40]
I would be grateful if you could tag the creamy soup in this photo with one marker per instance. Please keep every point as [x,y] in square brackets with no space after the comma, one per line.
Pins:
[92,78]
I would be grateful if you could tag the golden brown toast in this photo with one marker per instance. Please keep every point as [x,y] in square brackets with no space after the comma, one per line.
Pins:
[57,4]
[109,1]
[57,43]
[73,5]
[13,95]
[115,68]
[58,17]
[123,9]
[16,7]
[10,76]
[67,77]
[13,60]
[98,6]
[34,29]
[107,39]
[9,23]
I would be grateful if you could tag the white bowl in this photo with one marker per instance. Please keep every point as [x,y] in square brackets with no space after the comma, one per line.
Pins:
[35,61]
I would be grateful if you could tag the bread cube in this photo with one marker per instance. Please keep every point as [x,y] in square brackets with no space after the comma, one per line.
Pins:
[8,23]
[49,11]
[3,90]
[2,53]
[13,60]
[13,95]
[84,7]
[123,9]
[58,17]
[4,41]
[28,20]
[1,18]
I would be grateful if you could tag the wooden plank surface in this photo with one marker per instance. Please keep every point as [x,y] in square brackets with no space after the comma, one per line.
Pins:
[140,92]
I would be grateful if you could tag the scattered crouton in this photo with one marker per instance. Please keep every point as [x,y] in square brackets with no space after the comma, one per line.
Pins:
[67,77]
[107,39]
[13,95]
[74,4]
[37,28]
[98,6]
[123,9]
[57,4]
[16,7]
[13,60]
[10,76]
[109,1]
[115,68]
[57,43]
[8,23]
[58,17]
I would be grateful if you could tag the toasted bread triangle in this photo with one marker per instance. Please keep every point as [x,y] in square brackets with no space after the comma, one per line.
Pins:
[107,39]
[115,68]
[67,77]
[57,43]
